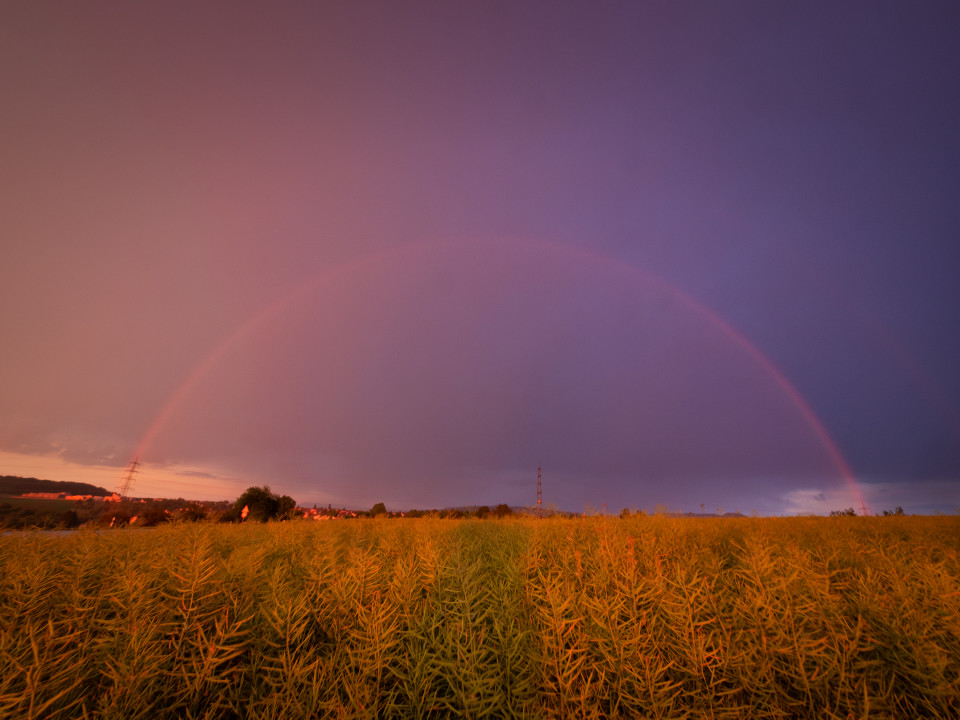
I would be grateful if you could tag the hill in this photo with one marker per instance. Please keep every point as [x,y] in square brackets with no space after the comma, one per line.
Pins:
[14,485]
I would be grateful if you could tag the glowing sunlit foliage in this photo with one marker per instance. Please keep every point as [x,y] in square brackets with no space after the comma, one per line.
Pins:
[591,617]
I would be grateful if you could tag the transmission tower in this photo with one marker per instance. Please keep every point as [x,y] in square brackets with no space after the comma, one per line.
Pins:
[539,492]
[126,482]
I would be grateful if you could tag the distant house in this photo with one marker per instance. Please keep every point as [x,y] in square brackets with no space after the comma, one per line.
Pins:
[64,496]
[328,513]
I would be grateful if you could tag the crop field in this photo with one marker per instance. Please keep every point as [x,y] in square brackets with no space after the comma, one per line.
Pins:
[595,617]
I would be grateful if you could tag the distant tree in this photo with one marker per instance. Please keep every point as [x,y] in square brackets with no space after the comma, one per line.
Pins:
[483,511]
[260,502]
[898,511]
[262,505]
[115,516]
[68,519]
[230,515]
[849,512]
[191,513]
[16,485]
[625,513]
[378,509]
[154,515]
[286,507]
[502,510]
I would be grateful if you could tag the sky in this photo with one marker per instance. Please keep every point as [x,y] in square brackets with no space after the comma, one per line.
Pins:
[697,256]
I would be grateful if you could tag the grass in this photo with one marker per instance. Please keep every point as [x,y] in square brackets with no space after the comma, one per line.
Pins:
[596,617]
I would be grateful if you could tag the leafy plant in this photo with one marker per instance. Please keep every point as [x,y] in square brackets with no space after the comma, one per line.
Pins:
[515,617]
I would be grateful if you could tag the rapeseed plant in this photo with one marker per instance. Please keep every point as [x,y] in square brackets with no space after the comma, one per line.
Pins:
[595,617]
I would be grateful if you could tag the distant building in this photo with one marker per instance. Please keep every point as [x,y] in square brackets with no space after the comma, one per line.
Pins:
[63,496]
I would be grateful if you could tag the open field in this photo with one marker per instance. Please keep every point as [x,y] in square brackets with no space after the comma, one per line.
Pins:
[590,617]
[48,505]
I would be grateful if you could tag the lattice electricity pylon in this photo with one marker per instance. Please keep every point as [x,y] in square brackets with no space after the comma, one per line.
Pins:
[539,492]
[126,482]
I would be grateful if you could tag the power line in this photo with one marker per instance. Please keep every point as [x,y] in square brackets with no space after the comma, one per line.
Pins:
[126,482]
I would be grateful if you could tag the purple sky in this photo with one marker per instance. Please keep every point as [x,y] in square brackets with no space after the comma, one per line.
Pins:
[679,254]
